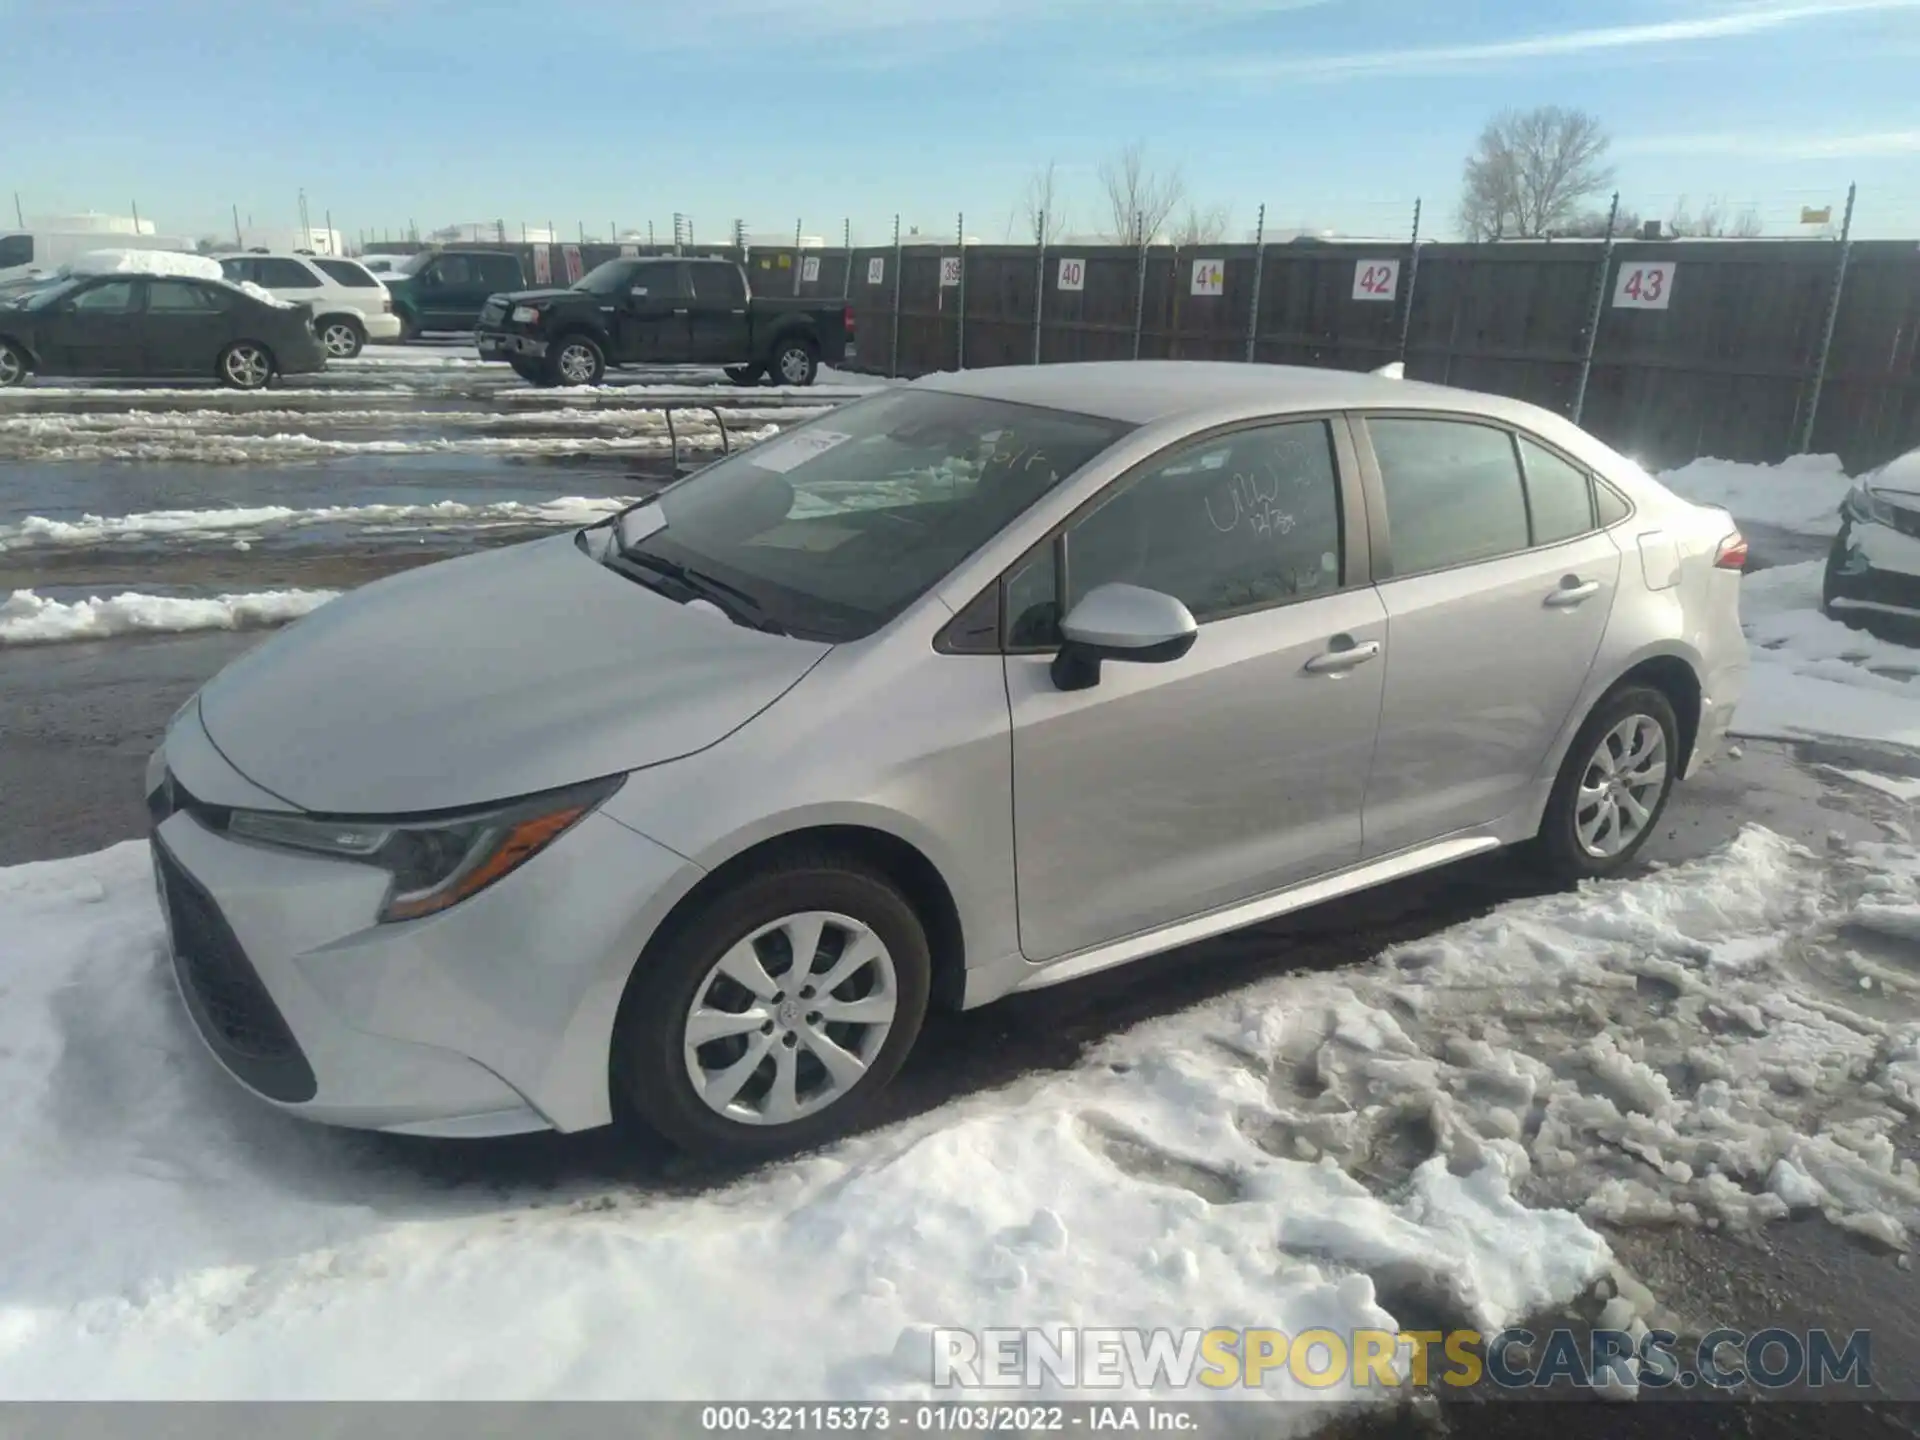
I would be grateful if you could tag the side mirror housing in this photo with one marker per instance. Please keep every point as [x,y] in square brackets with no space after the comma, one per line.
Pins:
[1121,622]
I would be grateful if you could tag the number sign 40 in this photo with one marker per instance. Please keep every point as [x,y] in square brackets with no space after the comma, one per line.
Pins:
[1073,275]
[1644,286]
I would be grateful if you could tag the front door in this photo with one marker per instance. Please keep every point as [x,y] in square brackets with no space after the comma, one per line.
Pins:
[1504,587]
[1167,790]
[97,333]
[654,316]
[718,314]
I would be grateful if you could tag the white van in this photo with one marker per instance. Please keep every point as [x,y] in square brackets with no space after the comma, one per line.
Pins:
[26,252]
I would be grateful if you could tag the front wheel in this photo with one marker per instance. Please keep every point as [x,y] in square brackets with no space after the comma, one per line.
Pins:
[13,364]
[526,369]
[771,1019]
[795,362]
[246,365]
[576,360]
[1612,786]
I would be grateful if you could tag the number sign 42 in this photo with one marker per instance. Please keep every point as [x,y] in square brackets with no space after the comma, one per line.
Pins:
[1645,286]
[1376,279]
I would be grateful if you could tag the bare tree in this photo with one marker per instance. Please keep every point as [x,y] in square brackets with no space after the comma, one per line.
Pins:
[1592,225]
[1202,227]
[1041,200]
[1530,172]
[1139,199]
[1713,223]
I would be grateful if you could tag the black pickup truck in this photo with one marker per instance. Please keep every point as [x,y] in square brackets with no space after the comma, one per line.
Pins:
[663,311]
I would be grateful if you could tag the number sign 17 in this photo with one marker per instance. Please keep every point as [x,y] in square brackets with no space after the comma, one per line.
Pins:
[1376,279]
[1645,286]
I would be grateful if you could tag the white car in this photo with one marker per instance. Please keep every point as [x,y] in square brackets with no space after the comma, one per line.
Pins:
[350,305]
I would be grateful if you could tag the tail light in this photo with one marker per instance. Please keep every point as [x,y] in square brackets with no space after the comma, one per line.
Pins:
[386,307]
[1732,554]
[846,319]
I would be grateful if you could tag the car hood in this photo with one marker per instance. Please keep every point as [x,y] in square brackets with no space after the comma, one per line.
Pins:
[487,677]
[1898,477]
[527,297]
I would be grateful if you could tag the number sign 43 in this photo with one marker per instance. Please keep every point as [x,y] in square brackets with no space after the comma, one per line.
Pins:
[1644,286]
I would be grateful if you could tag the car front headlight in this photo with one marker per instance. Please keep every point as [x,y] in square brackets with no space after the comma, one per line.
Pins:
[435,862]
[1862,504]
[526,315]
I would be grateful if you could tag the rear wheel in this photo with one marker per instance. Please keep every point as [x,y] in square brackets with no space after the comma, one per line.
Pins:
[1612,786]
[745,374]
[409,330]
[13,364]
[795,362]
[576,360]
[771,1018]
[342,337]
[246,365]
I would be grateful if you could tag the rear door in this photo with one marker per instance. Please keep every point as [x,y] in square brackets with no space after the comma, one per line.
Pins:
[718,314]
[1498,585]
[96,331]
[493,275]
[654,316]
[183,329]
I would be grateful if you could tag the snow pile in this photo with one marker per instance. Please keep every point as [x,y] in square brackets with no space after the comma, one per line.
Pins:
[264,296]
[147,262]
[1801,494]
[1341,1149]
[29,619]
[52,438]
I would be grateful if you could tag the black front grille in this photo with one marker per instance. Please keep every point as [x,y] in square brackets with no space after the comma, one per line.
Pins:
[492,313]
[1880,587]
[1907,522]
[224,993]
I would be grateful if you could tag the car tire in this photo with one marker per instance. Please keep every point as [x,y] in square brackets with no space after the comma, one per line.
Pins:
[409,331]
[576,359]
[342,337]
[746,374]
[1598,817]
[654,1060]
[795,362]
[526,369]
[246,365]
[1830,589]
[14,367]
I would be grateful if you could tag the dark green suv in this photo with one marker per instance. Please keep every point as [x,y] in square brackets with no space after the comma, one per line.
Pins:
[443,290]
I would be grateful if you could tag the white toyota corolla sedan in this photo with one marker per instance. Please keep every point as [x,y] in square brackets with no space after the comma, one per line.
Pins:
[975,685]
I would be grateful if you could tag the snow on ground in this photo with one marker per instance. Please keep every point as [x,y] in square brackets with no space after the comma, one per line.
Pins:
[30,619]
[51,438]
[1801,494]
[1438,1132]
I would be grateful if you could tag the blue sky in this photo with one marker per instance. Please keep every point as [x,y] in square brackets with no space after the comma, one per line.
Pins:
[1334,113]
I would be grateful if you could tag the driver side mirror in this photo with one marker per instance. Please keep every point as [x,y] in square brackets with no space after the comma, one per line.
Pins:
[1121,622]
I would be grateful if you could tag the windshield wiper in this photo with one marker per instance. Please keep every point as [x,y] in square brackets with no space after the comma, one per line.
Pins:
[739,606]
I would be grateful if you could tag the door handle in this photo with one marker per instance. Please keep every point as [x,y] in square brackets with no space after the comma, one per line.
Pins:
[1342,658]
[679,312]
[1573,591]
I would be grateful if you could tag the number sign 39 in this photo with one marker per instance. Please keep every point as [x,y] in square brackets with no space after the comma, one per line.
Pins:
[1376,279]
[1645,286]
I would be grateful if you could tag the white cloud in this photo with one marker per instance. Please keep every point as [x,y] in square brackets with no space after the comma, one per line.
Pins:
[1750,19]
[1776,147]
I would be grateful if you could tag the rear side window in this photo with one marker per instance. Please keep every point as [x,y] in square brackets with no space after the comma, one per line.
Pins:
[1558,496]
[178,297]
[497,272]
[277,274]
[718,283]
[1453,492]
[665,281]
[1612,505]
[16,249]
[238,270]
[345,272]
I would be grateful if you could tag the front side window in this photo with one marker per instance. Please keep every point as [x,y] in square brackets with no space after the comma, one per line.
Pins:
[453,270]
[115,297]
[836,526]
[1559,499]
[663,280]
[1453,492]
[1246,520]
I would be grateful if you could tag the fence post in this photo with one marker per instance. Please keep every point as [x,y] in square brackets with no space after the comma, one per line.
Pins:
[798,225]
[960,300]
[1833,316]
[846,244]
[1139,284]
[1039,279]
[1259,269]
[1413,279]
[1597,309]
[893,355]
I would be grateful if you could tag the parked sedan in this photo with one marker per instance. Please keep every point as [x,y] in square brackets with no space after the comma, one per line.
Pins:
[976,685]
[130,326]
[1873,568]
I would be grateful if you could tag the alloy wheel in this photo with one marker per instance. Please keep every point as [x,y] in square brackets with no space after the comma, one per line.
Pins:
[1621,786]
[789,1019]
[793,366]
[340,340]
[248,367]
[12,368]
[576,364]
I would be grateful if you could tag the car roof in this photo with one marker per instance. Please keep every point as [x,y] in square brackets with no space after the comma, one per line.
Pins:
[1140,392]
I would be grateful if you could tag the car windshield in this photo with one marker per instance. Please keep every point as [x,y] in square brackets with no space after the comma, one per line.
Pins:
[53,291]
[607,278]
[414,264]
[830,529]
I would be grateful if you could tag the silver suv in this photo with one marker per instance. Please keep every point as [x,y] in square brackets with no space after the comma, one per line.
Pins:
[976,685]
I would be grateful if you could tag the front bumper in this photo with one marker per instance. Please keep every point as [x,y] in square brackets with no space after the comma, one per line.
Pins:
[1873,569]
[491,1018]
[507,344]
[383,325]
